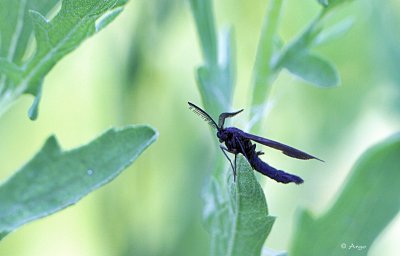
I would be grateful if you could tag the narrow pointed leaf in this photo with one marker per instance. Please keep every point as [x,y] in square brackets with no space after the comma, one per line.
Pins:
[55,179]
[333,32]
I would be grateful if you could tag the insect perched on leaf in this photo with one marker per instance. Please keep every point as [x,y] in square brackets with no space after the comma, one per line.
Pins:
[237,141]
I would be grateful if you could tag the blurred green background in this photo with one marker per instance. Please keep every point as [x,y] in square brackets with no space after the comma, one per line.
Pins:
[141,69]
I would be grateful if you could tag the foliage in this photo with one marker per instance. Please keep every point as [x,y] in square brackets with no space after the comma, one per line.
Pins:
[242,223]
[236,214]
[295,56]
[215,83]
[76,21]
[368,202]
[55,179]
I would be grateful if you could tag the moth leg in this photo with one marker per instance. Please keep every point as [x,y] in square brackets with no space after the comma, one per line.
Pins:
[234,170]
[258,153]
[230,161]
[242,148]
[253,147]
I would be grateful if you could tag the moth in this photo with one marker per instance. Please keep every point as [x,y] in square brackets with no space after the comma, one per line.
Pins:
[235,141]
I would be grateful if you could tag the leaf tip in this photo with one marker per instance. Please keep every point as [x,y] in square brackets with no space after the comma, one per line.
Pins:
[305,216]
[107,18]
[3,234]
[324,3]
[33,111]
[51,145]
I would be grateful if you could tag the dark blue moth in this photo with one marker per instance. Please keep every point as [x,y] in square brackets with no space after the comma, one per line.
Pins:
[237,141]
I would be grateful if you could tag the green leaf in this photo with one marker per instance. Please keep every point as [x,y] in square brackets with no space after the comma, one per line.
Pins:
[55,179]
[107,18]
[9,69]
[76,21]
[312,69]
[333,32]
[216,82]
[296,56]
[215,79]
[16,26]
[368,202]
[238,221]
[203,15]
[332,3]
[324,3]
[264,73]
[227,64]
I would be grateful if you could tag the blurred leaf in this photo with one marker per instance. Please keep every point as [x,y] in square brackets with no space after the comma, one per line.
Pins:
[54,179]
[16,26]
[238,223]
[9,69]
[264,73]
[217,76]
[324,2]
[203,15]
[227,64]
[291,55]
[333,32]
[368,202]
[149,28]
[272,56]
[216,82]
[300,44]
[312,69]
[386,51]
[107,18]
[332,3]
[164,9]
[75,22]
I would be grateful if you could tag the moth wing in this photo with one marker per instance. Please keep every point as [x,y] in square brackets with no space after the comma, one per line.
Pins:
[285,149]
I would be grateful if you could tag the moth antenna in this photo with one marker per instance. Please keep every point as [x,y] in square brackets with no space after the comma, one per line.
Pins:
[198,111]
[223,116]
